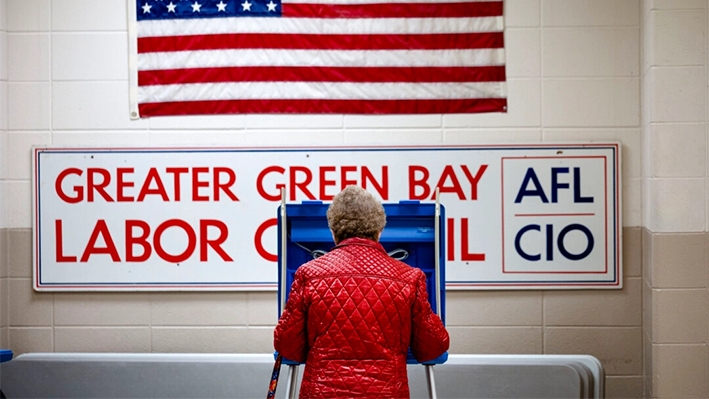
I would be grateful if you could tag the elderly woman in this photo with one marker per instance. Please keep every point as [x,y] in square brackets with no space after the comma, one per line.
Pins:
[353,313]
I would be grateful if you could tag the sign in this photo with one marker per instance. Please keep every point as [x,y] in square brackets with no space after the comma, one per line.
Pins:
[518,216]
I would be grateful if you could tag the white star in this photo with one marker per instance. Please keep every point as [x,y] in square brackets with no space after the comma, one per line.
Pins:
[271,6]
[196,7]
[221,6]
[171,7]
[246,5]
[146,8]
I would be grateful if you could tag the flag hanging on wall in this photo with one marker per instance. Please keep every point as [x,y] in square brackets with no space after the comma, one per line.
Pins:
[316,56]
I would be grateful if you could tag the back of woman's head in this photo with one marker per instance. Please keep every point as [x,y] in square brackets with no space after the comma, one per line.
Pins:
[355,213]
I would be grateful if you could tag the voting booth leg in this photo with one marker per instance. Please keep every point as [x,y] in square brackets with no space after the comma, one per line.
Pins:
[431,381]
[292,386]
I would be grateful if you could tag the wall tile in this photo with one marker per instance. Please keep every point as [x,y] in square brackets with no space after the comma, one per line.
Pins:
[624,387]
[491,136]
[29,106]
[679,94]
[586,52]
[262,309]
[187,309]
[3,14]
[27,340]
[678,150]
[4,306]
[198,122]
[19,256]
[113,340]
[276,121]
[19,154]
[3,253]
[19,204]
[618,349]
[212,340]
[647,369]
[632,201]
[104,309]
[647,311]
[394,136]
[27,307]
[28,57]
[3,104]
[677,205]
[521,13]
[679,260]
[90,56]
[630,140]
[3,54]
[3,204]
[632,252]
[493,308]
[522,52]
[92,105]
[676,4]
[679,371]
[106,138]
[28,15]
[679,316]
[523,109]
[392,121]
[679,37]
[591,102]
[495,340]
[647,44]
[266,138]
[590,13]
[595,307]
[89,15]
[4,338]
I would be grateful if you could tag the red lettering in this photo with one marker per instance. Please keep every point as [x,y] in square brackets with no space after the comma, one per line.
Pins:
[121,184]
[382,189]
[141,240]
[343,176]
[258,240]
[464,254]
[100,230]
[474,180]
[191,241]
[100,188]
[224,186]
[450,227]
[204,241]
[160,189]
[59,243]
[259,183]
[413,182]
[176,178]
[79,190]
[303,186]
[196,184]
[324,183]
[455,188]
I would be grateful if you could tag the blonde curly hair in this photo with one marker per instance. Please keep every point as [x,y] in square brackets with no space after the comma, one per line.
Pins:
[355,213]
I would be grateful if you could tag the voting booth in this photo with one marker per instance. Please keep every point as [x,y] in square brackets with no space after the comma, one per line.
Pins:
[413,234]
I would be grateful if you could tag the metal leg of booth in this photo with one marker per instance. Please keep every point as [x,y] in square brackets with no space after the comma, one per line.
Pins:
[431,380]
[292,386]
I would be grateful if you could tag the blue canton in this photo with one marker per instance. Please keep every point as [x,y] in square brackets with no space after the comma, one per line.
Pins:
[181,9]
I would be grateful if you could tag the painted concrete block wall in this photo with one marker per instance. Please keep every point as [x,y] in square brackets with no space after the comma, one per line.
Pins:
[675,198]
[3,174]
[574,75]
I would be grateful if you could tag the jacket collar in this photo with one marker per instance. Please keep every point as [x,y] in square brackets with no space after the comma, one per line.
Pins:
[361,241]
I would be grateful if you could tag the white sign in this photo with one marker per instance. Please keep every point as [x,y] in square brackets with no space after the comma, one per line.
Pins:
[517,216]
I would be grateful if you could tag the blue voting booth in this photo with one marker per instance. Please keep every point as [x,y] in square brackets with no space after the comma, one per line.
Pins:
[409,235]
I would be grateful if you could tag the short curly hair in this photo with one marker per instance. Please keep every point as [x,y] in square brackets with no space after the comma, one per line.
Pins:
[355,213]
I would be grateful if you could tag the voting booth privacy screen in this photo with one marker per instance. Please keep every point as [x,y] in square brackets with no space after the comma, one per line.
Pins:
[522,216]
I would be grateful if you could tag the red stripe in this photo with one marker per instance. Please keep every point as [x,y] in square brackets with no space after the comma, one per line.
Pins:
[324,107]
[394,10]
[329,42]
[321,74]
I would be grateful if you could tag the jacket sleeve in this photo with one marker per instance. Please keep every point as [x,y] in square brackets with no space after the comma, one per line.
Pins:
[429,338]
[290,337]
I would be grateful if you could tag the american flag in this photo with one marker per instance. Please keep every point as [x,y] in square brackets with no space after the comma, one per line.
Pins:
[316,56]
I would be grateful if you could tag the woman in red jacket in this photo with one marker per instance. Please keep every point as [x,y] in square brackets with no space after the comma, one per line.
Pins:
[353,313]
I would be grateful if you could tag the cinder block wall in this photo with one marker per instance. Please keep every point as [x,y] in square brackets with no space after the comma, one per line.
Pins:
[574,74]
[675,239]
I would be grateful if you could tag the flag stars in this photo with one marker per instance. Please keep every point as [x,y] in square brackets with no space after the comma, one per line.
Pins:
[171,7]
[146,8]
[271,6]
[246,6]
[221,6]
[196,7]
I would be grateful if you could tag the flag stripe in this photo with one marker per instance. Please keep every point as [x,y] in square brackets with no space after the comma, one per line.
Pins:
[322,74]
[319,90]
[344,26]
[352,58]
[394,10]
[321,42]
[325,107]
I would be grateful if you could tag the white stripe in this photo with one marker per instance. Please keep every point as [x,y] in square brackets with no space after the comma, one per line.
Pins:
[320,90]
[346,58]
[344,26]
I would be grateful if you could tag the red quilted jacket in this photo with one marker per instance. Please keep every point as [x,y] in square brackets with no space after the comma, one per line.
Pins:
[351,316]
